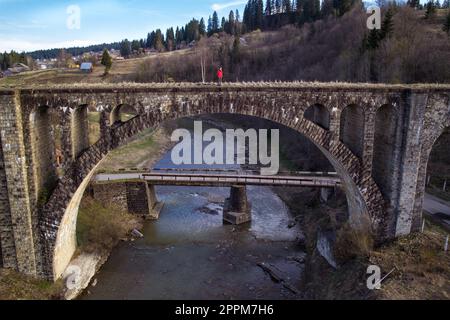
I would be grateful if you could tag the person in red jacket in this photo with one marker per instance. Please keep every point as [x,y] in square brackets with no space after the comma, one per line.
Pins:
[220,75]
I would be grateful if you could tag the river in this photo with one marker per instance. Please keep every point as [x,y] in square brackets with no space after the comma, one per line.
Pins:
[190,254]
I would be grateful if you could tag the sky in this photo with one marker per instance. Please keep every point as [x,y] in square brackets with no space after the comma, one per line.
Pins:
[27,25]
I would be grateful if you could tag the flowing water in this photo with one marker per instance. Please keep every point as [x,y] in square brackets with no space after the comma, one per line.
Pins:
[190,254]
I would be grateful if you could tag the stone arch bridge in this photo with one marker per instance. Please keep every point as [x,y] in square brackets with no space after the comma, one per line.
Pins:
[377,137]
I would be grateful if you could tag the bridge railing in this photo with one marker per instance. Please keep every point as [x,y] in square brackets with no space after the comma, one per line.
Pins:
[224,171]
[241,179]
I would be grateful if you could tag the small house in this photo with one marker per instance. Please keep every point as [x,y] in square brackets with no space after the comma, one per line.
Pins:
[87,67]
[18,68]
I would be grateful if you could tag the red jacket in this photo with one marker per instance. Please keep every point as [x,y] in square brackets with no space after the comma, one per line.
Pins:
[220,74]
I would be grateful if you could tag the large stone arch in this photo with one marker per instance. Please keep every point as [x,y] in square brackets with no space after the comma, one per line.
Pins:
[57,223]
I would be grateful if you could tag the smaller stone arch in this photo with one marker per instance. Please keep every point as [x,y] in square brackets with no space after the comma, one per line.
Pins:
[385,154]
[352,127]
[122,113]
[43,150]
[79,130]
[319,115]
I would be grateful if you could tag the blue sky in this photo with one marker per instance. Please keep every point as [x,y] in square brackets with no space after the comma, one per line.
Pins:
[27,25]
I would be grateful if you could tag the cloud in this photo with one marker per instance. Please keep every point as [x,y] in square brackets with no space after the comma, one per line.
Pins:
[221,6]
[27,46]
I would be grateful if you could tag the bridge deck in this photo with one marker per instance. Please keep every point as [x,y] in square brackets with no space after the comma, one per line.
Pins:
[224,180]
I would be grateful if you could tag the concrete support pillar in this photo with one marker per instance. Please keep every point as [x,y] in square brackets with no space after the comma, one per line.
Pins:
[237,209]
[154,206]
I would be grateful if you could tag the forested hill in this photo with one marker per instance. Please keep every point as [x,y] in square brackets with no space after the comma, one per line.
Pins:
[412,46]
[75,51]
[264,15]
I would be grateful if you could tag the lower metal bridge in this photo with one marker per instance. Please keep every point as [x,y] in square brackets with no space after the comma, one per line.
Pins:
[223,178]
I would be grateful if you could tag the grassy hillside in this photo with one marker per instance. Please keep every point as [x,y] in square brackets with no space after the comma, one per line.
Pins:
[120,71]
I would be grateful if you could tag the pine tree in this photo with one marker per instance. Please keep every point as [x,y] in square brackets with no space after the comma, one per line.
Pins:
[159,41]
[231,23]
[311,10]
[278,6]
[327,8]
[125,48]
[259,22]
[447,23]
[202,27]
[215,22]
[430,10]
[236,53]
[298,8]
[268,10]
[344,6]
[373,39]
[223,24]
[135,45]
[178,36]
[150,39]
[106,61]
[170,39]
[287,7]
[446,4]
[413,3]
[387,25]
[209,29]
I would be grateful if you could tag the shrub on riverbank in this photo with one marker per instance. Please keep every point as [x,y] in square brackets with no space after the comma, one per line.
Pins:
[100,227]
[353,242]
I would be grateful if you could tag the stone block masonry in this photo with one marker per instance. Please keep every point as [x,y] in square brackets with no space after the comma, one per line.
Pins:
[383,174]
[20,230]
[135,197]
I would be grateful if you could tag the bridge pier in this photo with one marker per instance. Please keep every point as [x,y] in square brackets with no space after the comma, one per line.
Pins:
[237,209]
[154,206]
